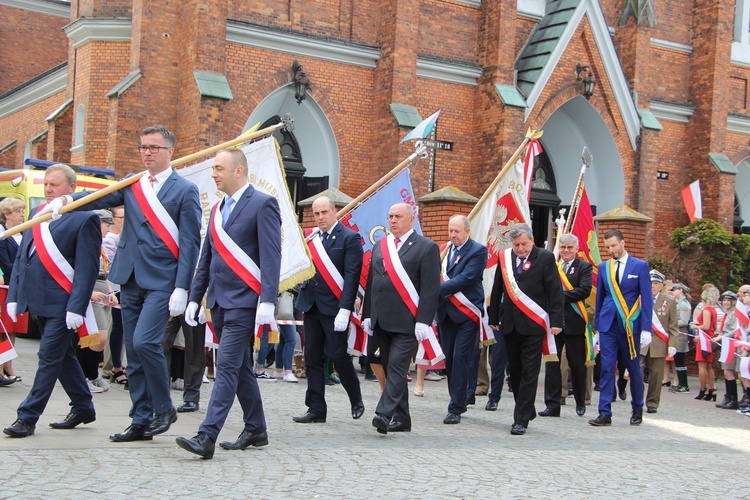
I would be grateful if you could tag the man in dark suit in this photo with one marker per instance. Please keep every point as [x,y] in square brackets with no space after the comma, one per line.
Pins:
[195,359]
[624,306]
[238,273]
[526,277]
[328,302]
[400,303]
[33,287]
[154,265]
[458,323]
[575,275]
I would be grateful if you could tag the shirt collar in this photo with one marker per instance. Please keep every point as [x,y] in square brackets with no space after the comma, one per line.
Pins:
[238,194]
[331,228]
[162,176]
[406,235]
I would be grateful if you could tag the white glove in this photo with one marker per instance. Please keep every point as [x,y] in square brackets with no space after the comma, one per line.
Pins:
[53,207]
[190,311]
[596,338]
[421,331]
[73,320]
[366,326]
[11,308]
[342,320]
[671,351]
[265,313]
[177,302]
[202,316]
[645,338]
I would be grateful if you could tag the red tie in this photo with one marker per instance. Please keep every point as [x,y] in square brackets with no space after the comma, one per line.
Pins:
[152,180]
[397,241]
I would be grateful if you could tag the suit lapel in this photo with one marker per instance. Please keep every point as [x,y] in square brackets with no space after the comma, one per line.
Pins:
[406,245]
[167,185]
[241,204]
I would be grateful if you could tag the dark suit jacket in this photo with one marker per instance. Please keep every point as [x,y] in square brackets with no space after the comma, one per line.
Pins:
[580,276]
[465,276]
[383,305]
[255,225]
[635,282]
[345,251]
[8,251]
[141,251]
[79,238]
[541,282]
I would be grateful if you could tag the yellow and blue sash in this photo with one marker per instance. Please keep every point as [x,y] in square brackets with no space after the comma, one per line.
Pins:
[627,315]
[580,309]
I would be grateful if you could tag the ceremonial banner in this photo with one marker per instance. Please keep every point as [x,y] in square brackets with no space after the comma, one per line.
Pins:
[266,175]
[506,206]
[691,196]
[533,150]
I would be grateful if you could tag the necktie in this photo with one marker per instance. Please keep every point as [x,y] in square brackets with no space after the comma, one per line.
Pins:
[152,180]
[452,256]
[324,237]
[566,266]
[397,241]
[617,272]
[228,202]
[519,269]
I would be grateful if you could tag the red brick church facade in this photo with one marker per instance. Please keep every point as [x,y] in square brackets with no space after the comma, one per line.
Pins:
[79,80]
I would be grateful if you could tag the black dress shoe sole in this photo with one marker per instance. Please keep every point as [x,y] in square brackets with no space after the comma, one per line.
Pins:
[597,423]
[69,425]
[14,434]
[399,428]
[114,438]
[548,414]
[233,446]
[517,432]
[306,420]
[183,409]
[381,425]
[185,444]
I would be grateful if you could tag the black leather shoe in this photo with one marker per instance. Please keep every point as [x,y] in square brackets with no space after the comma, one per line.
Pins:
[623,394]
[452,418]
[20,429]
[518,430]
[74,419]
[201,445]
[549,412]
[399,427]
[188,407]
[601,421]
[471,400]
[650,409]
[636,418]
[245,439]
[309,418]
[133,433]
[580,410]
[5,381]
[381,424]
[161,423]
[491,406]
[358,410]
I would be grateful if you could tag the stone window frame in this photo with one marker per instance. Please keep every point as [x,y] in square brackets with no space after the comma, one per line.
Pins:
[741,38]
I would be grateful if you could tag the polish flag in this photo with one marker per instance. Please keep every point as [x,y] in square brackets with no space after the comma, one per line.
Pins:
[745,367]
[533,150]
[7,351]
[691,195]
[727,350]
[743,321]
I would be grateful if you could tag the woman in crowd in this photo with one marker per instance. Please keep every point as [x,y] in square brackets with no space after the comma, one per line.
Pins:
[728,327]
[11,215]
[680,294]
[705,322]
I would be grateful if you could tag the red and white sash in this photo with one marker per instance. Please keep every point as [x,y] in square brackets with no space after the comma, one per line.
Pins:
[62,272]
[234,256]
[357,340]
[398,275]
[465,306]
[530,308]
[429,351]
[157,215]
[658,328]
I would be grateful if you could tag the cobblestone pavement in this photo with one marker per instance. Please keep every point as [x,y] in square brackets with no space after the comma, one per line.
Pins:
[681,451]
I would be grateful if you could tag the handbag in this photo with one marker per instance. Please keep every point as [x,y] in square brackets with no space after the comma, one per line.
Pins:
[286,307]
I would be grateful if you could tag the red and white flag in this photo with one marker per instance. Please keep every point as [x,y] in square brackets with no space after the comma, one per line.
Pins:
[533,150]
[745,367]
[429,351]
[727,350]
[743,321]
[691,195]
[7,351]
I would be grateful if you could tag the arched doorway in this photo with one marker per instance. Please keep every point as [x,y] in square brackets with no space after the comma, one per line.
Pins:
[544,201]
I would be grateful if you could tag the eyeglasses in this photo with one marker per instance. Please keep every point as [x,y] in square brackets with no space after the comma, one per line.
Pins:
[152,149]
[118,216]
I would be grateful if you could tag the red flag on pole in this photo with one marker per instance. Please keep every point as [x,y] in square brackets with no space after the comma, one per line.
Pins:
[533,150]
[691,195]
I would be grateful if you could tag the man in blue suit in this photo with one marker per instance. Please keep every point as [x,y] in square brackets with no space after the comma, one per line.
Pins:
[238,273]
[623,321]
[154,265]
[33,287]
[459,333]
[327,307]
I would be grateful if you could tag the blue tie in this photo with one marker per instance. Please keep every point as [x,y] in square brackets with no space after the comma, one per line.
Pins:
[452,256]
[228,202]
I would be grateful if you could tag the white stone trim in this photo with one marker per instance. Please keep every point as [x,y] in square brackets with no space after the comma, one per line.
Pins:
[531,8]
[110,29]
[473,3]
[48,86]
[592,10]
[739,124]
[447,72]
[666,44]
[77,149]
[671,112]
[292,43]
[48,7]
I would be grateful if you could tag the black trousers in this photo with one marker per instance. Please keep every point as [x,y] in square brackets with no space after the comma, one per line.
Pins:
[195,355]
[524,362]
[396,350]
[575,347]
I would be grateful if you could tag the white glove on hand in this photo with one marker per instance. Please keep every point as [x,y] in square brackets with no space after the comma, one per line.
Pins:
[202,319]
[265,313]
[596,338]
[11,308]
[671,351]
[421,331]
[645,338]
[190,311]
[366,326]
[342,320]
[73,320]
[52,207]
[177,302]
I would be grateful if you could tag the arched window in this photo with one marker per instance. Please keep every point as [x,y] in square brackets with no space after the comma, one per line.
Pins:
[78,134]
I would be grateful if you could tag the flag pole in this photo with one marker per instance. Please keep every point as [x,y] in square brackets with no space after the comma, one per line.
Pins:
[286,122]
[587,159]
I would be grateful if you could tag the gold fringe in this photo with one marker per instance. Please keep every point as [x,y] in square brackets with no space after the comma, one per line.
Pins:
[89,340]
[590,362]
[273,337]
[550,358]
[487,343]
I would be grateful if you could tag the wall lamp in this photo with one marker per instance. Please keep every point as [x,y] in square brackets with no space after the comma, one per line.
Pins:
[300,81]
[588,81]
